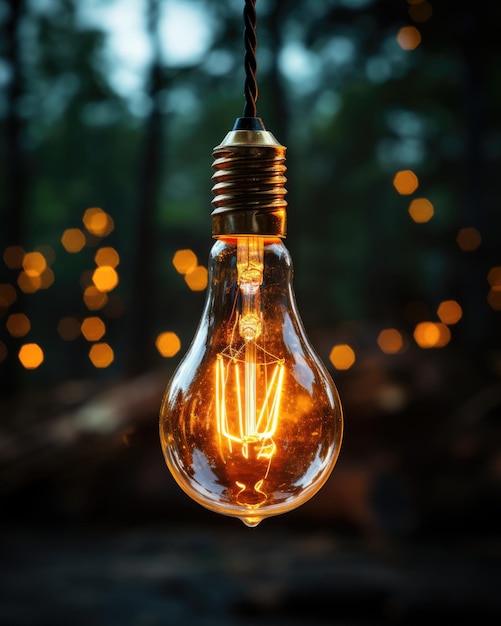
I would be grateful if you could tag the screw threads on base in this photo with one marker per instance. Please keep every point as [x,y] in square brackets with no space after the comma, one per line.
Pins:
[249,192]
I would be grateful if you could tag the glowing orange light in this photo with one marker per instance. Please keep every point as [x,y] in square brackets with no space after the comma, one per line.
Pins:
[449,312]
[107,256]
[18,324]
[421,210]
[105,278]
[34,264]
[168,344]
[432,335]
[408,37]
[494,298]
[68,328]
[405,182]
[197,279]
[31,356]
[97,222]
[46,278]
[29,284]
[93,298]
[93,328]
[240,408]
[252,420]
[342,356]
[390,341]
[8,294]
[13,257]
[185,261]
[494,277]
[468,239]
[73,240]
[101,355]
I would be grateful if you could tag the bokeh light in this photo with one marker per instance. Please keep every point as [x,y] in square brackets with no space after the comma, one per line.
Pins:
[31,356]
[197,278]
[13,257]
[405,182]
[390,340]
[342,356]
[494,277]
[185,261]
[408,38]
[468,239]
[168,344]
[94,298]
[34,264]
[105,278]
[494,299]
[18,324]
[46,278]
[101,355]
[8,294]
[421,210]
[3,351]
[494,295]
[449,312]
[97,222]
[107,256]
[432,335]
[73,240]
[29,284]
[93,328]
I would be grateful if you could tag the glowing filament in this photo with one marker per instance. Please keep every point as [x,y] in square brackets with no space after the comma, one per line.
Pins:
[241,415]
[249,379]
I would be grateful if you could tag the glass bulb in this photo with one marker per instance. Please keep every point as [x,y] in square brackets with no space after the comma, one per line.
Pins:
[251,422]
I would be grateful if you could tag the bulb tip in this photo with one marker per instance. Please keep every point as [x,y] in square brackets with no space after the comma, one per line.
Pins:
[251,522]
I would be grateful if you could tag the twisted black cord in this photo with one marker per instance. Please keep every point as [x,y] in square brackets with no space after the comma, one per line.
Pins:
[250,60]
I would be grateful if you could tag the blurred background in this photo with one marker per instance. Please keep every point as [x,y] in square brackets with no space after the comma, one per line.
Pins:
[109,110]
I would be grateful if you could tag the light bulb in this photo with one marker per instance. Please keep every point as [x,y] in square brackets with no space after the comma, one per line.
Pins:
[251,422]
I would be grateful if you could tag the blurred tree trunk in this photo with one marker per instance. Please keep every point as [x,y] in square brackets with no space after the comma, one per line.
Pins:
[280,119]
[13,198]
[472,26]
[144,262]
[280,113]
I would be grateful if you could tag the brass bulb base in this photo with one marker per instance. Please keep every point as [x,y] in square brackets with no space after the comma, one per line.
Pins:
[249,176]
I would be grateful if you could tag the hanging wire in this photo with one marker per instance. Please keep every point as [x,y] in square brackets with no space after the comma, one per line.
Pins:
[250,60]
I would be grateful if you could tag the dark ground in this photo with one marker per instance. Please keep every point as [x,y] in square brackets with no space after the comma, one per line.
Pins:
[95,532]
[221,575]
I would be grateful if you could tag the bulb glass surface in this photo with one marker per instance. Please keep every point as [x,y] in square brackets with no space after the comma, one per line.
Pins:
[251,422]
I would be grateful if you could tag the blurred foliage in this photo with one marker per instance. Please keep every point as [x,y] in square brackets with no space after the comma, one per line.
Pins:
[353,108]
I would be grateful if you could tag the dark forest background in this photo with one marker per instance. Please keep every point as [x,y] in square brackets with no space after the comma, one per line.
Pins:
[421,461]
